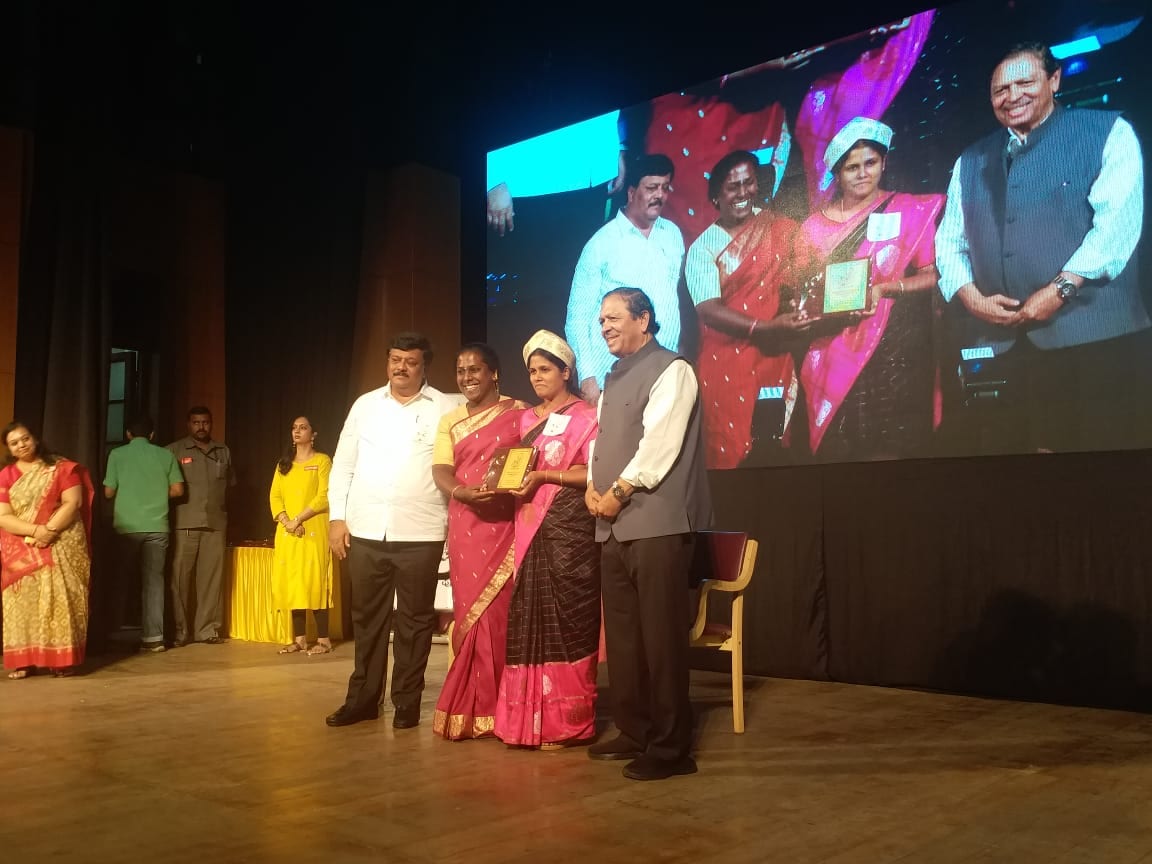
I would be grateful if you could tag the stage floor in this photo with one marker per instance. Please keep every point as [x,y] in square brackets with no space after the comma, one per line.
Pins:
[220,754]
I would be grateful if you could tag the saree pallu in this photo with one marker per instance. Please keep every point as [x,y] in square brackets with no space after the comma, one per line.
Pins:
[548,689]
[753,267]
[481,561]
[45,591]
[872,389]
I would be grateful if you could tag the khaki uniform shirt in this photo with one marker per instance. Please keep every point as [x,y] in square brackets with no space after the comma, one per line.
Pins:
[208,474]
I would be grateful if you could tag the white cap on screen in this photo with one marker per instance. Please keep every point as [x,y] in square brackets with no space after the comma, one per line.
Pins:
[856,129]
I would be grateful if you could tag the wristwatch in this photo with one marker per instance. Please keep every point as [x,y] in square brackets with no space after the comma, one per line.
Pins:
[618,492]
[1066,289]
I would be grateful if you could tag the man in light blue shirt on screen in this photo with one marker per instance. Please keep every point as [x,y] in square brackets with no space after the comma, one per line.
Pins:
[637,249]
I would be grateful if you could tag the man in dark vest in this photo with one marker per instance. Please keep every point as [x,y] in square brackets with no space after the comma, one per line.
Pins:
[1038,244]
[649,493]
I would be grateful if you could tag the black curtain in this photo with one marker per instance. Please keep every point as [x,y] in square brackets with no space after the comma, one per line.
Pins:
[293,281]
[63,345]
[1022,577]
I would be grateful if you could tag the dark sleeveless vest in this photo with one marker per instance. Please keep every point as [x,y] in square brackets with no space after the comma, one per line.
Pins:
[682,502]
[1023,226]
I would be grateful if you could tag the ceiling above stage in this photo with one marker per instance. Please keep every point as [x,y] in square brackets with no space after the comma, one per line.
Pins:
[218,88]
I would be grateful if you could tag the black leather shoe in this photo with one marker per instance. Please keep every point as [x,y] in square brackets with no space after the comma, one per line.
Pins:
[345,716]
[620,747]
[406,718]
[214,640]
[651,768]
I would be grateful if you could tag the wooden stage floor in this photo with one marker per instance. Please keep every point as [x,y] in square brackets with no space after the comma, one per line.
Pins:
[220,755]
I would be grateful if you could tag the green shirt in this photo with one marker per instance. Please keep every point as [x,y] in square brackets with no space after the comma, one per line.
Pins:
[141,473]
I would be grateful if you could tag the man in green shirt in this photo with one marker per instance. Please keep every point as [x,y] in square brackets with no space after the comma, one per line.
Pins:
[141,478]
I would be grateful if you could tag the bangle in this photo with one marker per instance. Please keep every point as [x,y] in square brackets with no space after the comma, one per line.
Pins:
[901,281]
[453,493]
[752,328]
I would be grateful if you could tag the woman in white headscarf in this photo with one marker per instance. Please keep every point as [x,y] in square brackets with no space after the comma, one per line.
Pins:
[548,688]
[871,387]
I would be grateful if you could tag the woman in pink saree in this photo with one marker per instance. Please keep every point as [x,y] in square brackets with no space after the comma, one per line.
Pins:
[548,690]
[871,388]
[738,272]
[480,550]
[45,507]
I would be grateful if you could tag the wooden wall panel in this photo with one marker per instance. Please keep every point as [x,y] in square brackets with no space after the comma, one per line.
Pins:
[410,272]
[200,366]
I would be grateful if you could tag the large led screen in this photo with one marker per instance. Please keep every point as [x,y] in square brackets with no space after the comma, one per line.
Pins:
[922,240]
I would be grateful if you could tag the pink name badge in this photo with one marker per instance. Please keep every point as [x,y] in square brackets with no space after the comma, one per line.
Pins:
[186,460]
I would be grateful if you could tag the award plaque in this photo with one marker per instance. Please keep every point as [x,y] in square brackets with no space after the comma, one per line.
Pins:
[508,467]
[841,289]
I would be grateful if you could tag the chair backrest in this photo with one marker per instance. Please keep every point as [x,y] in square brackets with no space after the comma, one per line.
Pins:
[719,555]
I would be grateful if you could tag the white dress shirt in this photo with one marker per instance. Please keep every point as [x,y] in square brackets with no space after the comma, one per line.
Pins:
[1117,201]
[665,421]
[620,256]
[381,482]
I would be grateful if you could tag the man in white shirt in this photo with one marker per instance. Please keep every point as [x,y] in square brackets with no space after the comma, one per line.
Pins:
[388,524]
[648,490]
[1038,246]
[637,249]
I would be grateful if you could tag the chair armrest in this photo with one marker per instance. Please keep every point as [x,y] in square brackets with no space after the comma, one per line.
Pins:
[702,609]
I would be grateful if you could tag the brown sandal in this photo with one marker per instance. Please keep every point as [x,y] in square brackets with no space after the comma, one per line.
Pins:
[320,648]
[293,648]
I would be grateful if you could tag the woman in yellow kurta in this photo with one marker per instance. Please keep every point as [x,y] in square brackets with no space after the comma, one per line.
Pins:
[302,563]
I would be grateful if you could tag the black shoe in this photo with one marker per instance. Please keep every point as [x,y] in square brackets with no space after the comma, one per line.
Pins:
[651,768]
[620,747]
[406,718]
[345,716]
[214,640]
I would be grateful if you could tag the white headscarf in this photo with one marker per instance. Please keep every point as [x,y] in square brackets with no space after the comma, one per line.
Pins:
[551,343]
[856,129]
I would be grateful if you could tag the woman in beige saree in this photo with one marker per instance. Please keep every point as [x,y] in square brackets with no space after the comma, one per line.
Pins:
[45,561]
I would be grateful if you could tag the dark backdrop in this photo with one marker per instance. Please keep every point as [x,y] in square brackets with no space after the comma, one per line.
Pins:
[1022,576]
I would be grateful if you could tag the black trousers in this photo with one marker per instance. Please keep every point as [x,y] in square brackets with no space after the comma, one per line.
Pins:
[382,574]
[1086,397]
[645,585]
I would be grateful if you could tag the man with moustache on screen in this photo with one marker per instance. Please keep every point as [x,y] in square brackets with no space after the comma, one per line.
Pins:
[638,248]
[648,490]
[1038,244]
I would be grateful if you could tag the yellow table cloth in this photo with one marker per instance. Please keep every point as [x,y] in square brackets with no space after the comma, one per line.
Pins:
[251,615]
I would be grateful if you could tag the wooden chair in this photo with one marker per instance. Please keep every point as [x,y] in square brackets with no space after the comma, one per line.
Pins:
[724,562]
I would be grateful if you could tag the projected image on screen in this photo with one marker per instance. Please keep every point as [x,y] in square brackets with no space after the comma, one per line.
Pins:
[922,240]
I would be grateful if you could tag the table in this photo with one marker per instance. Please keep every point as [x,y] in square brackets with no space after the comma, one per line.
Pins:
[249,613]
